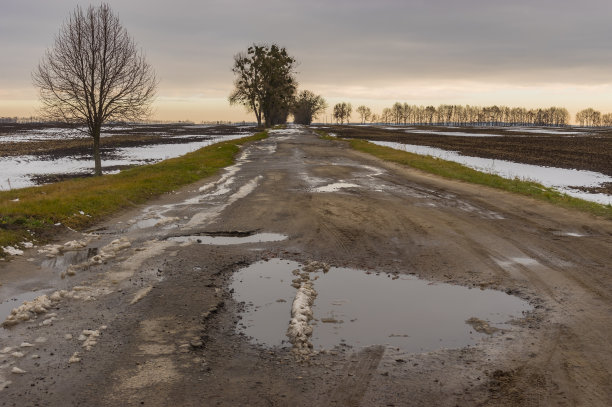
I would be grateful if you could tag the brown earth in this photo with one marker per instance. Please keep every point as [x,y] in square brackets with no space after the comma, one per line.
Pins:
[591,151]
[171,320]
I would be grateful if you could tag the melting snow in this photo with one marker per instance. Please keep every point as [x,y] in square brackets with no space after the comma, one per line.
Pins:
[561,179]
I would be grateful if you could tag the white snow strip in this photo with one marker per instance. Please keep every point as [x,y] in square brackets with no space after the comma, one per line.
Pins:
[140,294]
[454,133]
[335,187]
[243,191]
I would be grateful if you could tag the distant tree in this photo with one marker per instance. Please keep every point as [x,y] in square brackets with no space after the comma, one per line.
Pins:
[93,74]
[606,120]
[265,83]
[364,113]
[398,112]
[342,112]
[385,116]
[589,117]
[307,106]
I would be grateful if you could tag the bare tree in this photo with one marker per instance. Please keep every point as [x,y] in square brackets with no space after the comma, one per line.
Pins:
[93,74]
[364,113]
[342,112]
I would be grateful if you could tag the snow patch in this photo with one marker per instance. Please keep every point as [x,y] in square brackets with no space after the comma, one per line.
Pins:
[89,338]
[17,370]
[335,187]
[57,249]
[12,251]
[110,250]
[299,331]
[75,358]
[28,310]
[140,294]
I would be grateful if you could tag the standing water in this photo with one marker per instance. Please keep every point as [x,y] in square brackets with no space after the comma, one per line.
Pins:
[358,309]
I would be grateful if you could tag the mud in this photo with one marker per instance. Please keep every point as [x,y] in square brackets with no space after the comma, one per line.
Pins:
[173,325]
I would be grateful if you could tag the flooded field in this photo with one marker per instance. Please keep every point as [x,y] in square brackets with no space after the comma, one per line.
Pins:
[36,155]
[577,162]
[355,308]
[572,182]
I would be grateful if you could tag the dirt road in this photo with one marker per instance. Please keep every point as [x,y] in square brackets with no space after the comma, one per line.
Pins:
[150,320]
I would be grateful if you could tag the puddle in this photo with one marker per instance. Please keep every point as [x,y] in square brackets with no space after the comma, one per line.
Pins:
[357,309]
[335,187]
[61,262]
[163,222]
[562,179]
[230,240]
[454,133]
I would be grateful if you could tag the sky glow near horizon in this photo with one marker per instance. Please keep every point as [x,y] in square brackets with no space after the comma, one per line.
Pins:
[536,53]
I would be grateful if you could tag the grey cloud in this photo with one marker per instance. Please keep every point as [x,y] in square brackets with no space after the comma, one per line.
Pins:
[346,42]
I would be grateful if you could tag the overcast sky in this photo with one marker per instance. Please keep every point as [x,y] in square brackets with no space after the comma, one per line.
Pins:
[514,52]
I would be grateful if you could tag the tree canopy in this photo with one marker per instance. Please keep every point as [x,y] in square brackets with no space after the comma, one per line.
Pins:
[342,112]
[265,83]
[307,106]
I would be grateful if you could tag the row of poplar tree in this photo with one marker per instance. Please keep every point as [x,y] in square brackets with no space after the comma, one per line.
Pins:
[459,115]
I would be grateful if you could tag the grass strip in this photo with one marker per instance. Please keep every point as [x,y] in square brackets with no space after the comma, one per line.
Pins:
[452,170]
[78,203]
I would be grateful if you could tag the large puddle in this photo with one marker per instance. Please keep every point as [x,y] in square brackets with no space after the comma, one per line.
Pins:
[561,179]
[357,309]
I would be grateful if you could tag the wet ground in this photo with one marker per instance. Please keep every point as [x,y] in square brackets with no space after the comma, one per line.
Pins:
[582,149]
[139,312]
[40,154]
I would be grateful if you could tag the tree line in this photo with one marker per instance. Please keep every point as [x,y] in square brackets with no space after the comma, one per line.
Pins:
[592,118]
[460,115]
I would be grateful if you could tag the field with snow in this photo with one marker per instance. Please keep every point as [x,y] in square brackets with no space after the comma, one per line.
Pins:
[37,154]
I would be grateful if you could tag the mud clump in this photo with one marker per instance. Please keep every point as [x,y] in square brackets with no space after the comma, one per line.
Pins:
[481,326]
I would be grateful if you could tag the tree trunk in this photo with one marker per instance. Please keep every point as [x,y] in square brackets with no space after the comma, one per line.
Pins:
[96,150]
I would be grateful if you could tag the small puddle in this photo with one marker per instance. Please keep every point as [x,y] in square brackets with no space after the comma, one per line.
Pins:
[358,309]
[66,259]
[229,240]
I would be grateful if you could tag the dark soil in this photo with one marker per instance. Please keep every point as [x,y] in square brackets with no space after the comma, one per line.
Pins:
[591,151]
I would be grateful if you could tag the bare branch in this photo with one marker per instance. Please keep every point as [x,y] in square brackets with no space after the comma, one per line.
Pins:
[94,73]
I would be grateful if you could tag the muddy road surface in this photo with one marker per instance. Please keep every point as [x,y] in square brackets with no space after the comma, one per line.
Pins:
[161,306]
